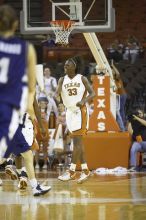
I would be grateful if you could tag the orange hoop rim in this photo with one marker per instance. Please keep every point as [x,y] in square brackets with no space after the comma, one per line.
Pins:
[62,23]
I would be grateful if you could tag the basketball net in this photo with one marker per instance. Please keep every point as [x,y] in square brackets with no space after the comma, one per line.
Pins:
[62,30]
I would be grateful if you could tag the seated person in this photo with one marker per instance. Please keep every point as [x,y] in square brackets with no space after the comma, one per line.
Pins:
[137,128]
[47,106]
[41,155]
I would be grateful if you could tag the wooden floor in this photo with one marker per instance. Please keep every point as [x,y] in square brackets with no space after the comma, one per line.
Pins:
[102,197]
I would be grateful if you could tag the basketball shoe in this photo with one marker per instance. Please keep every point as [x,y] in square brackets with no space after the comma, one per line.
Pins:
[23,180]
[22,185]
[68,175]
[84,176]
[40,190]
[10,171]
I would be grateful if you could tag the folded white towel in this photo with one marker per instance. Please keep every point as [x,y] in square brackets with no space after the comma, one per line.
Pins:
[116,171]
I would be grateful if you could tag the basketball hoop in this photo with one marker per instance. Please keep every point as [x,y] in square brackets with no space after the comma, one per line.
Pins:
[62,30]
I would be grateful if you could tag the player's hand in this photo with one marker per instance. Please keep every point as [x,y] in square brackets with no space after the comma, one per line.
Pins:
[80,104]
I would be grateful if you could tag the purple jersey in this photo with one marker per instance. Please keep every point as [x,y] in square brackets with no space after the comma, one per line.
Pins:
[13,77]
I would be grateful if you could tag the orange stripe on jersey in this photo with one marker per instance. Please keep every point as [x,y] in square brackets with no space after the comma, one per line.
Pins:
[83,129]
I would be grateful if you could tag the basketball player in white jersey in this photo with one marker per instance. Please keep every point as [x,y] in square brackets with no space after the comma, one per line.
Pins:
[75,91]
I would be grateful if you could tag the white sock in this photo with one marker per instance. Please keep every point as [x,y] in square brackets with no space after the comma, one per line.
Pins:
[23,169]
[73,167]
[84,166]
[9,159]
[33,183]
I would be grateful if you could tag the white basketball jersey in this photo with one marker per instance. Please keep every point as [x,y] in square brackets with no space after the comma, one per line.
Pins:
[73,91]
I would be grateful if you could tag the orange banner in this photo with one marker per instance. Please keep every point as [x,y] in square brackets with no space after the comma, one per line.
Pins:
[102,118]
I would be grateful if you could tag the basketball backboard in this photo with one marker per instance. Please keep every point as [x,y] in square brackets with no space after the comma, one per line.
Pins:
[89,15]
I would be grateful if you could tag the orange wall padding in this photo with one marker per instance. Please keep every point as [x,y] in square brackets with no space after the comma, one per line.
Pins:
[107,149]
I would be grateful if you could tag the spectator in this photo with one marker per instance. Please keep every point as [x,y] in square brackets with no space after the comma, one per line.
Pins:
[49,42]
[62,154]
[47,105]
[50,84]
[115,51]
[120,108]
[131,52]
[137,128]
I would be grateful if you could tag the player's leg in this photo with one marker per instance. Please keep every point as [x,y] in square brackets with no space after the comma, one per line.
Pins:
[9,119]
[21,171]
[17,172]
[9,168]
[36,187]
[78,155]
[85,170]
[18,145]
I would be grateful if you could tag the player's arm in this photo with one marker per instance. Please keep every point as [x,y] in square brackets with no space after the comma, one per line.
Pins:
[130,130]
[141,120]
[91,93]
[38,116]
[31,65]
[58,89]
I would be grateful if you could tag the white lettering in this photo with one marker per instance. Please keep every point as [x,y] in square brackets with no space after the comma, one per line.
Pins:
[101,115]
[101,126]
[101,78]
[101,103]
[10,48]
[101,92]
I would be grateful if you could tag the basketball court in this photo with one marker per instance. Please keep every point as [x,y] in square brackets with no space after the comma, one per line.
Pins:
[102,197]
[119,196]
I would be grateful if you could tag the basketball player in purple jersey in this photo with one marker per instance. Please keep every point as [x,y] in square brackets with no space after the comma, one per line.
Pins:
[17,90]
[17,77]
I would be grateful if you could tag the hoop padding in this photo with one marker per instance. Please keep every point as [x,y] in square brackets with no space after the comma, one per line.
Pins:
[62,30]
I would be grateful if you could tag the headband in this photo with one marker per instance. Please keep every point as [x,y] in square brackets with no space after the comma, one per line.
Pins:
[73,62]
